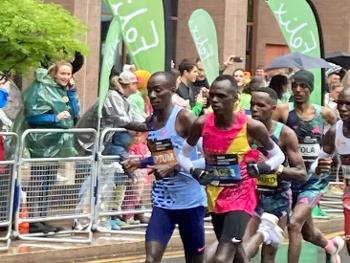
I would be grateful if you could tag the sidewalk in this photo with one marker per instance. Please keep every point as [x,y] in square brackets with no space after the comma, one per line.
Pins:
[120,244]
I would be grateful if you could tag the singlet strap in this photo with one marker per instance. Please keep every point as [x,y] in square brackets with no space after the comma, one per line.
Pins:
[278,130]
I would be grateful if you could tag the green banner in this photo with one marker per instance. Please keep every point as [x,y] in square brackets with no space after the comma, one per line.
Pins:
[142,26]
[300,29]
[203,32]
[110,47]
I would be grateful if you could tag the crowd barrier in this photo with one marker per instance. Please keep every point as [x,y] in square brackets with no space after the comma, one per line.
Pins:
[119,196]
[7,182]
[55,190]
[78,194]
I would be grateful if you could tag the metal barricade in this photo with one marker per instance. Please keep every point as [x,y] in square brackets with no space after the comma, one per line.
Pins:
[8,170]
[119,196]
[332,200]
[59,191]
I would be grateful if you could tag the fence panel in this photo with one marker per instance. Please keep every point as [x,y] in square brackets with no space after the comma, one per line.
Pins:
[119,195]
[8,170]
[56,191]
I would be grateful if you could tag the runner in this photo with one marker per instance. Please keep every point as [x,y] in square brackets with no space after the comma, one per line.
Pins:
[274,190]
[337,139]
[177,197]
[307,120]
[228,160]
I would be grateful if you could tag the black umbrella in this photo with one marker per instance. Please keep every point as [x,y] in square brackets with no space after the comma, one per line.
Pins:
[298,60]
[340,58]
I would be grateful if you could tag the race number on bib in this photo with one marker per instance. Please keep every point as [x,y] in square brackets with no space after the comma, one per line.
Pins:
[162,151]
[224,166]
[309,148]
[267,181]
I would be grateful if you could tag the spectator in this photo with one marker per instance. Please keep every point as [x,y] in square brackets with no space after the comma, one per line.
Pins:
[176,99]
[116,113]
[331,98]
[260,71]
[279,83]
[201,80]
[334,74]
[186,90]
[49,102]
[4,91]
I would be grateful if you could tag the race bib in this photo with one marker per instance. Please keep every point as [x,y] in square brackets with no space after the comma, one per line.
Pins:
[267,181]
[224,166]
[162,151]
[309,149]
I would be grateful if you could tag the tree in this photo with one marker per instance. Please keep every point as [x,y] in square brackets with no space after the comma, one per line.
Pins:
[33,32]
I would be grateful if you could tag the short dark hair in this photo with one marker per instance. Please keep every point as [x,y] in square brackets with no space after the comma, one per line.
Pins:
[187,65]
[233,83]
[277,82]
[169,77]
[269,91]
[175,72]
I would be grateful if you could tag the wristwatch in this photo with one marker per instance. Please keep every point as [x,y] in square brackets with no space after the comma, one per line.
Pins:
[280,169]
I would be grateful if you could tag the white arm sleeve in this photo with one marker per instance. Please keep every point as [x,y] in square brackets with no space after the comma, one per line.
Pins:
[276,157]
[183,158]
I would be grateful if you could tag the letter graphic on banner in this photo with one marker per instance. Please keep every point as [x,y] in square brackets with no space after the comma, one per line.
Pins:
[301,29]
[203,32]
[142,27]
[112,40]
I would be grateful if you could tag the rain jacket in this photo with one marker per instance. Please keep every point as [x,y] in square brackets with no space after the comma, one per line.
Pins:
[116,112]
[43,100]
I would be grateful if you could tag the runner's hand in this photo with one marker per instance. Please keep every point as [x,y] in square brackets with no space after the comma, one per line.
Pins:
[324,165]
[202,176]
[255,169]
[162,170]
[131,164]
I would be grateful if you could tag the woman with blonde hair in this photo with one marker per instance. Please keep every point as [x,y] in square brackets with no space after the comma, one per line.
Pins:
[49,102]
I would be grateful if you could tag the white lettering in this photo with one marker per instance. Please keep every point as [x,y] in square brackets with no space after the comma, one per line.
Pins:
[143,40]
[295,41]
[204,51]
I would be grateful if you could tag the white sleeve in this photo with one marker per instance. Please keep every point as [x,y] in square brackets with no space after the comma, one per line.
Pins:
[183,158]
[276,157]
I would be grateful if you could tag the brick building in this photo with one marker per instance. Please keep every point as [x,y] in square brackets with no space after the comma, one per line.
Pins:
[244,27]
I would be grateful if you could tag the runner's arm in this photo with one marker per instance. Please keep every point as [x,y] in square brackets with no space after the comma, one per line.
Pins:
[296,170]
[136,126]
[324,160]
[281,113]
[259,133]
[195,133]
[328,115]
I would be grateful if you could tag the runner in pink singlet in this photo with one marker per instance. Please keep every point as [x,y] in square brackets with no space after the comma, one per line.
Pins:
[230,166]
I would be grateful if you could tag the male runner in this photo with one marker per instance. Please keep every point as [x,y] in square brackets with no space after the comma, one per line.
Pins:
[230,166]
[337,139]
[307,120]
[274,190]
[177,197]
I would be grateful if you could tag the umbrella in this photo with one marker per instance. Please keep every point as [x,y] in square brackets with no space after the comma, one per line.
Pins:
[298,60]
[340,58]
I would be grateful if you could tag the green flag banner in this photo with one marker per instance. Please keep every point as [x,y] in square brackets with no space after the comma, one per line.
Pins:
[298,22]
[203,32]
[142,27]
[112,40]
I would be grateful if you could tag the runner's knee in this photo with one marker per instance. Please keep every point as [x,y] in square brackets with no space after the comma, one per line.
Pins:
[294,225]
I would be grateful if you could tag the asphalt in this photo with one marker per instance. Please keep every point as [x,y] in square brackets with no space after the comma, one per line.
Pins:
[124,243]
